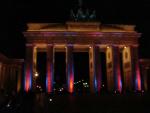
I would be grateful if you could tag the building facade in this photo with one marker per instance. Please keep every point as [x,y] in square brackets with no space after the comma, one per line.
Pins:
[93,37]
[145,72]
[10,73]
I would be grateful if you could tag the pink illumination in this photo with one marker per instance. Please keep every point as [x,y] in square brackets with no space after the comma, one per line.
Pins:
[49,75]
[119,83]
[118,71]
[49,79]
[138,78]
[28,80]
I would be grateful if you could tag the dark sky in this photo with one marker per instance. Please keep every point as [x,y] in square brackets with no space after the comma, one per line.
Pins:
[16,13]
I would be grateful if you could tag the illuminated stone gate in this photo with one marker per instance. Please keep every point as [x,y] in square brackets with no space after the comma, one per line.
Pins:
[91,37]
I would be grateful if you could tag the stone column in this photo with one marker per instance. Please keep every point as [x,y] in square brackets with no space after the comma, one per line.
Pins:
[14,78]
[109,68]
[10,77]
[117,69]
[95,69]
[50,68]
[69,68]
[28,67]
[34,67]
[7,75]
[2,76]
[135,69]
[19,78]
[113,69]
[144,77]
[131,69]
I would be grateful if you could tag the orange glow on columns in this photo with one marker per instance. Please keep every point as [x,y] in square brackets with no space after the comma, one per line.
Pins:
[71,84]
[19,83]
[138,79]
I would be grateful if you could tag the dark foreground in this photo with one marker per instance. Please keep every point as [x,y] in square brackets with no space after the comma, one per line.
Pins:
[44,103]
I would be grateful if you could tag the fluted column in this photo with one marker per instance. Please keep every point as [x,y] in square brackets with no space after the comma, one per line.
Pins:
[117,68]
[113,68]
[19,78]
[28,67]
[34,67]
[109,69]
[14,78]
[132,78]
[95,69]
[2,76]
[50,68]
[70,68]
[135,68]
[144,74]
[7,76]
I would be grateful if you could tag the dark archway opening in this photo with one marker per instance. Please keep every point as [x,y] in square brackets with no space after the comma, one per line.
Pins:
[104,74]
[81,72]
[59,72]
[41,69]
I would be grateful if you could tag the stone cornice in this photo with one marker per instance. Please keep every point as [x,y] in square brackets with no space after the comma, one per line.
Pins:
[76,34]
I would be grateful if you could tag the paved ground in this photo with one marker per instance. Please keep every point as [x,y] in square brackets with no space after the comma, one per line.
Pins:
[43,103]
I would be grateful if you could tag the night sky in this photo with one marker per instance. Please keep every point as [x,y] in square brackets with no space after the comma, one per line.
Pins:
[16,13]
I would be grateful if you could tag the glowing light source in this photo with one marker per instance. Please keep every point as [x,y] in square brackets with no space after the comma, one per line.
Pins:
[8,105]
[36,74]
[50,100]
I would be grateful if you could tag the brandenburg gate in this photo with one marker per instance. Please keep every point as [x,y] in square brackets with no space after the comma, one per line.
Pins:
[91,37]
